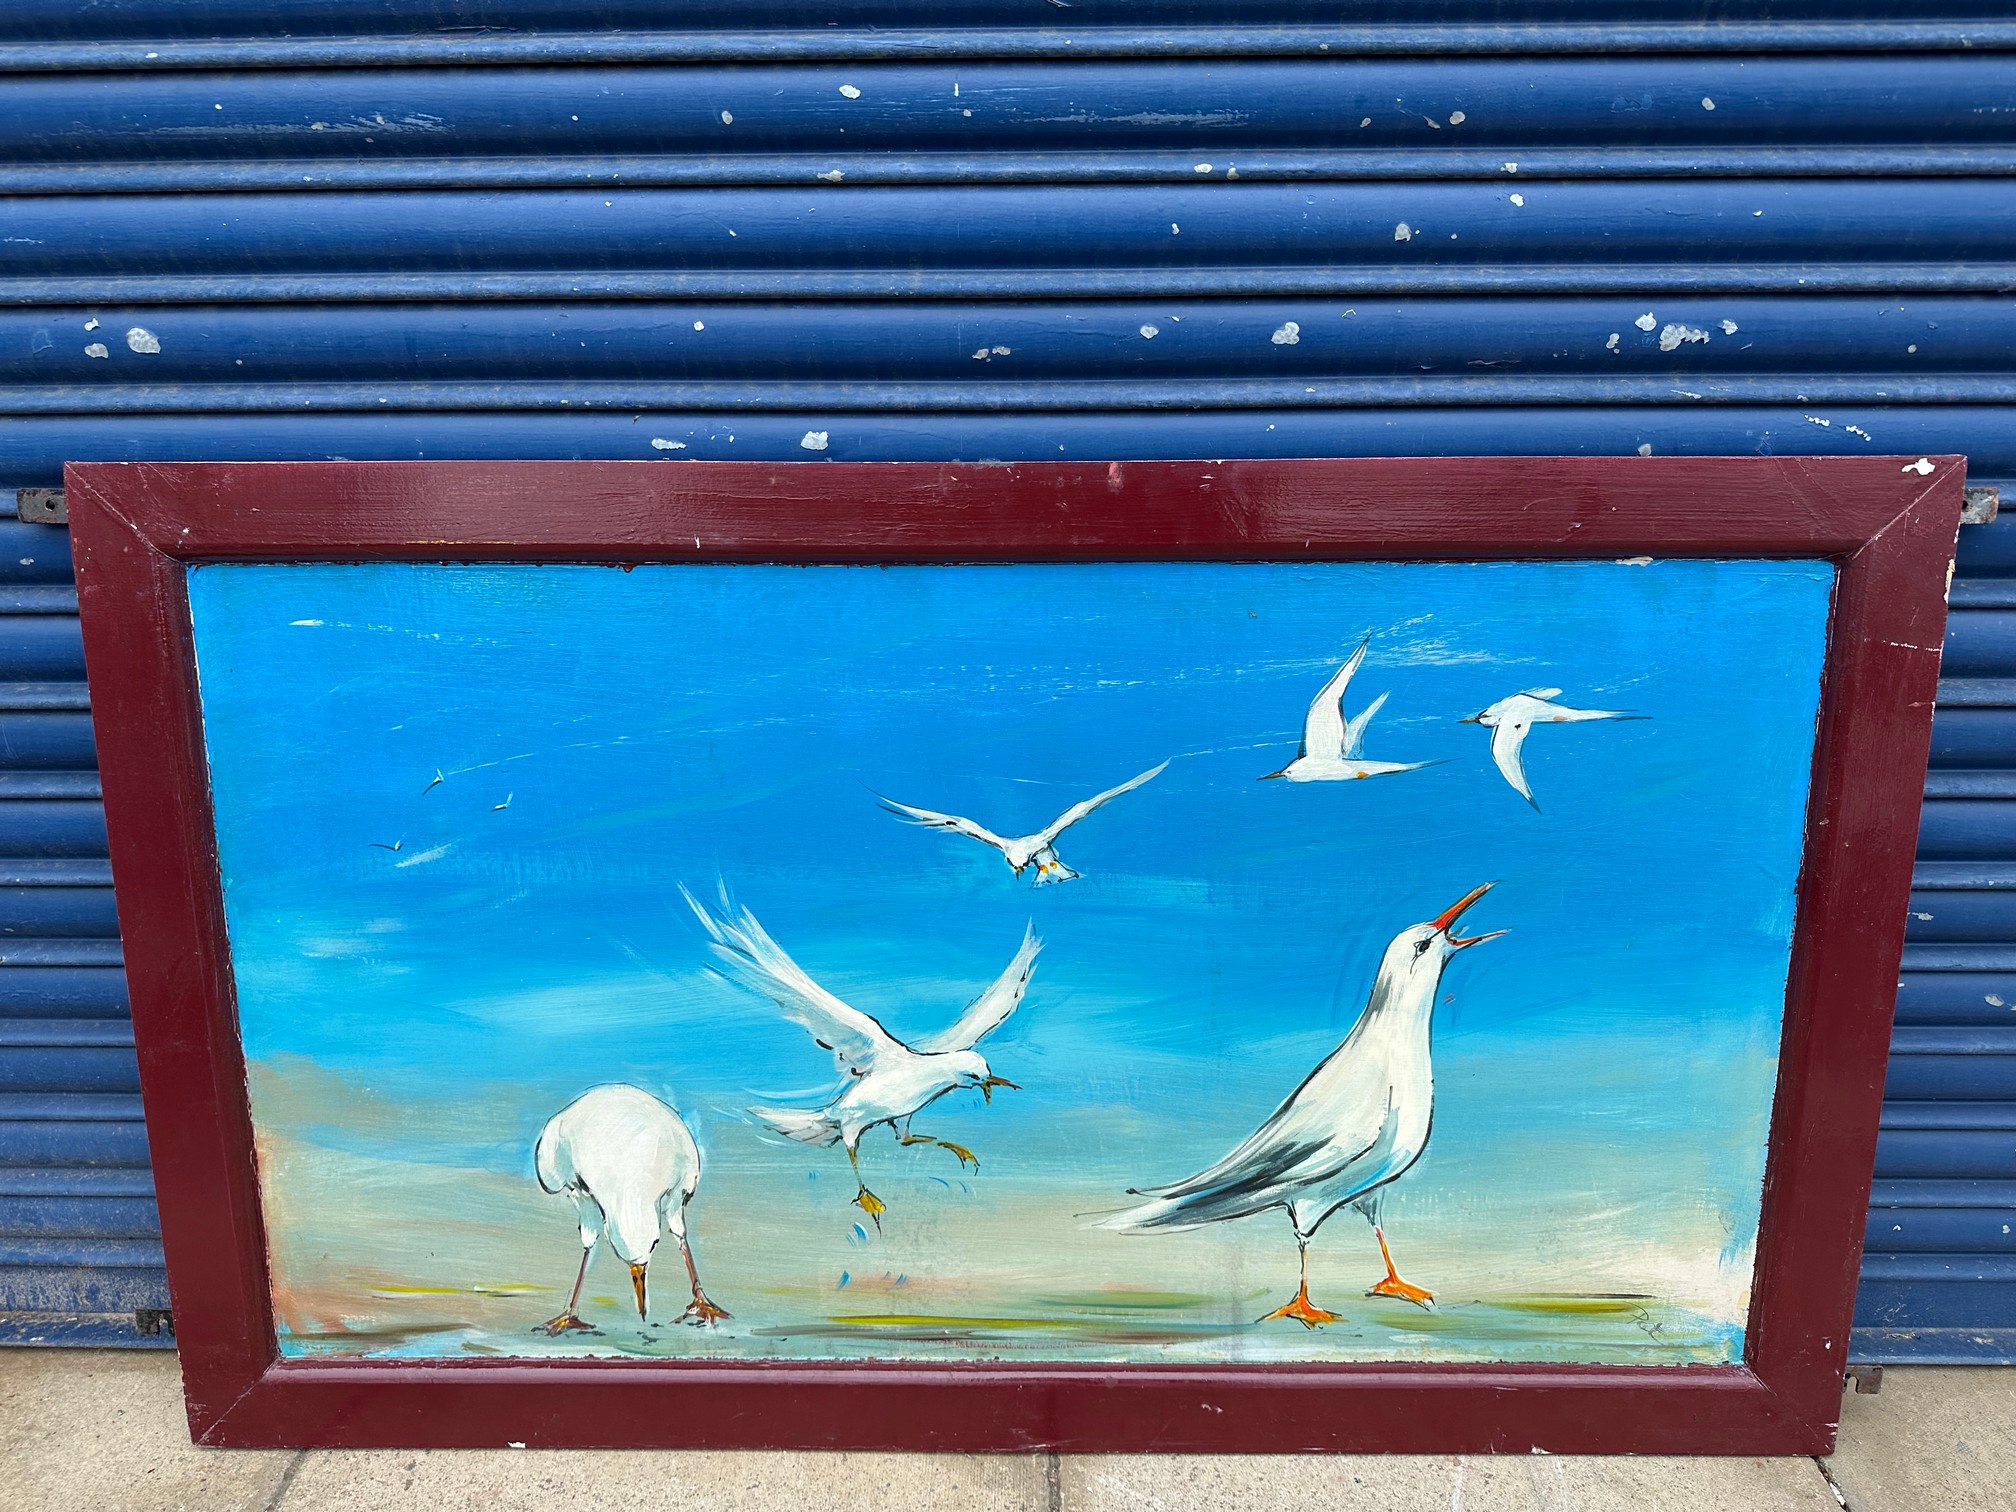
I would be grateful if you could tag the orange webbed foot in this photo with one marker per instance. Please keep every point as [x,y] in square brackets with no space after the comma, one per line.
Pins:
[1303,1311]
[1405,1291]
[702,1313]
[872,1205]
[553,1328]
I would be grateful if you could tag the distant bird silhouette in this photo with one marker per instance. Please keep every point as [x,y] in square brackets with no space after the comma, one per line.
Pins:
[1357,1123]
[1022,851]
[381,845]
[887,1082]
[1331,744]
[1510,720]
[438,780]
[629,1163]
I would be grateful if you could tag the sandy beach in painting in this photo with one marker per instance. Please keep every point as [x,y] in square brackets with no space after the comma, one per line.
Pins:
[456,807]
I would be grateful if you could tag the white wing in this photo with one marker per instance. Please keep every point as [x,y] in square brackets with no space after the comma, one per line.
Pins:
[990,1010]
[1506,739]
[932,819]
[1541,693]
[1354,729]
[757,962]
[1078,811]
[1323,726]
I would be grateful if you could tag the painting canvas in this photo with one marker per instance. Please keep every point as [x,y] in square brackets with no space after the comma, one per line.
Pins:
[1222,962]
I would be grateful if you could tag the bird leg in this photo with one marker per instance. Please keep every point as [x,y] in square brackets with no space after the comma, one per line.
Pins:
[567,1322]
[1393,1286]
[1301,1309]
[699,1311]
[864,1199]
[965,1155]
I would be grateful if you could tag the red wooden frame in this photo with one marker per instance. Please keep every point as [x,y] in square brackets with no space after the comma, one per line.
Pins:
[1888,523]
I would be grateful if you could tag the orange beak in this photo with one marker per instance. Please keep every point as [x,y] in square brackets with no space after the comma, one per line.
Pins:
[1446,920]
[637,1285]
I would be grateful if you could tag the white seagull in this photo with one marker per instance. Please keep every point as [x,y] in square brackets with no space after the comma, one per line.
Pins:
[1021,851]
[1331,743]
[1510,719]
[1354,1126]
[630,1164]
[887,1081]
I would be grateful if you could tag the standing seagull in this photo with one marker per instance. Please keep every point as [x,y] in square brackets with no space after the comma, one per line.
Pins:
[1330,743]
[1357,1123]
[630,1164]
[1039,848]
[888,1082]
[1509,719]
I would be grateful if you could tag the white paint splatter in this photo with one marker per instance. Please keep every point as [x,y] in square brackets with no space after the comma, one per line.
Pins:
[1611,344]
[1816,420]
[832,175]
[1232,173]
[1174,229]
[1706,103]
[96,349]
[1364,123]
[1646,321]
[1403,232]
[1995,1001]
[1729,328]
[1634,561]
[1644,448]
[850,91]
[1457,118]
[1675,335]
[1856,430]
[307,622]
[1202,168]
[1912,348]
[1511,167]
[1289,334]
[813,440]
[1149,332]
[727,119]
[699,325]
[659,443]
[1519,199]
[91,324]
[142,340]
[1922,467]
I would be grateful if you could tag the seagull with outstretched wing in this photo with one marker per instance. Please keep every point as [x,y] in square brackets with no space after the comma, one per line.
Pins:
[1510,720]
[1333,746]
[886,1081]
[1023,851]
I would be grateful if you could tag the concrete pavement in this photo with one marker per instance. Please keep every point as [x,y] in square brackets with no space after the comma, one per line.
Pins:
[103,1430]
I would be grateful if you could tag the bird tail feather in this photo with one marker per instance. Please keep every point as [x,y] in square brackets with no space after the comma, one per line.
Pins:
[1188,1211]
[807,1126]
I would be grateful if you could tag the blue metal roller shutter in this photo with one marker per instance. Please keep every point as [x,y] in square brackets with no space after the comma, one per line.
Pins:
[80,1255]
[891,229]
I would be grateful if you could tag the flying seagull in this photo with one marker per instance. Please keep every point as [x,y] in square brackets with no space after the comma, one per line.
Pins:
[1331,743]
[887,1081]
[438,780]
[1039,849]
[630,1164]
[381,845]
[1510,719]
[1354,1126]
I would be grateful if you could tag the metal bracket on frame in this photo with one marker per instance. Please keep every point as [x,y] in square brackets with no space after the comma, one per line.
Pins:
[1980,503]
[41,506]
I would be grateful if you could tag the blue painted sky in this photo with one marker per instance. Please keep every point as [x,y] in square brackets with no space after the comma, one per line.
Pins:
[677,724]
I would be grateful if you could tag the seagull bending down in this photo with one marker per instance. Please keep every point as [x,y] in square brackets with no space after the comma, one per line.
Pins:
[1331,743]
[1023,850]
[887,1082]
[1357,1123]
[1510,719]
[630,1164]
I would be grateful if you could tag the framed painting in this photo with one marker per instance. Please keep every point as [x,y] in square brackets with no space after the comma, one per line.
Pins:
[1256,956]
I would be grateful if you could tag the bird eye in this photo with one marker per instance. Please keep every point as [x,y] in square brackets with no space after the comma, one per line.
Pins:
[1420,947]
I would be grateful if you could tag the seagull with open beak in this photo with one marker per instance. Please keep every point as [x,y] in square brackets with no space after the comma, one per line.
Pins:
[1355,1125]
